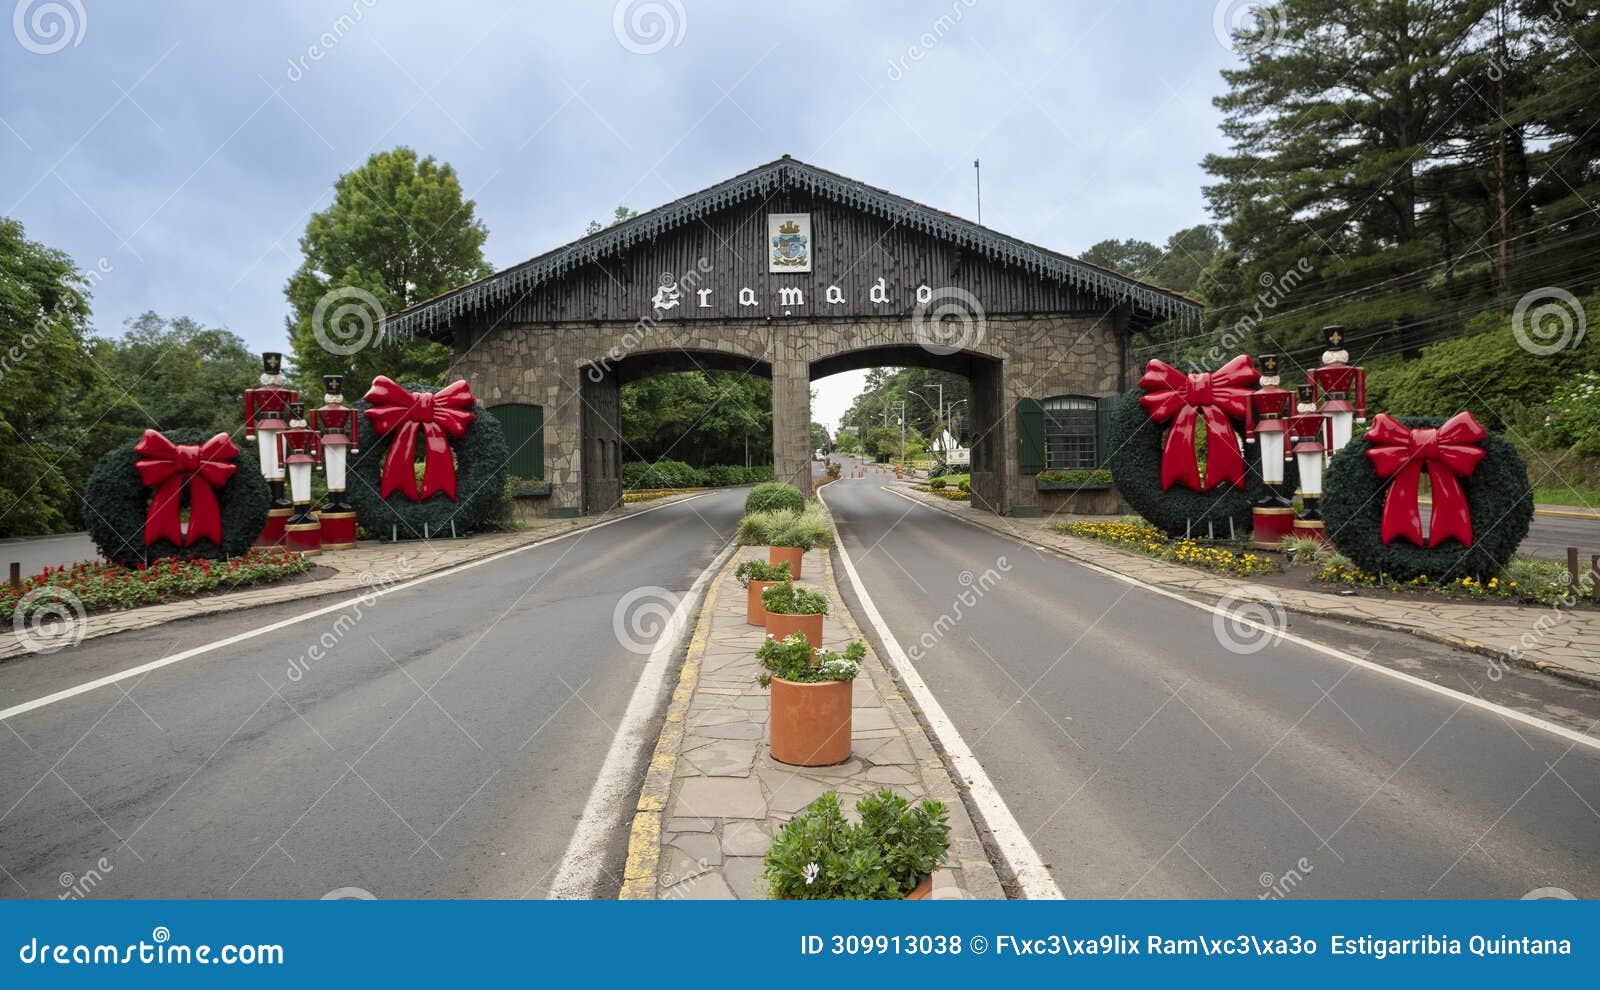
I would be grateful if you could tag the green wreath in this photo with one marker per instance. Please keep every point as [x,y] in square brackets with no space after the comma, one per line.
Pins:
[1136,467]
[116,500]
[481,456]
[1499,501]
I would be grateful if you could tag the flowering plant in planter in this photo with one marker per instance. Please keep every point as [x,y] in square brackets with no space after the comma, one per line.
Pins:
[890,855]
[760,570]
[786,599]
[792,659]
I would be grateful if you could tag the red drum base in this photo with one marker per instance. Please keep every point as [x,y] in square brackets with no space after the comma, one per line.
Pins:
[338,530]
[1271,526]
[1310,528]
[304,537]
[272,532]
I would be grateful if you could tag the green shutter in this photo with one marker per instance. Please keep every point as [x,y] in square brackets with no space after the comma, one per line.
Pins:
[524,428]
[1030,436]
[1105,407]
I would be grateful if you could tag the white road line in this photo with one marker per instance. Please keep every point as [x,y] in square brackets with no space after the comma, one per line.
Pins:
[585,857]
[1032,875]
[365,599]
[1571,735]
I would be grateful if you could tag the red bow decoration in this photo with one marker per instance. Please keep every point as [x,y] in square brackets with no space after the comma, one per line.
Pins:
[1450,453]
[168,467]
[1221,396]
[439,415]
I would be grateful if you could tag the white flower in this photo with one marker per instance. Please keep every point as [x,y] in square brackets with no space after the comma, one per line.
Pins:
[810,872]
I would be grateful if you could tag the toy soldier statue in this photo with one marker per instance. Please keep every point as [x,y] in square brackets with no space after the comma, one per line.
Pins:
[335,423]
[1308,431]
[1273,513]
[299,448]
[1335,382]
[266,412]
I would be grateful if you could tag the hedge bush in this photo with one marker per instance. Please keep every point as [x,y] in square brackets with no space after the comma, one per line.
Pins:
[1499,500]
[676,474]
[775,496]
[1136,465]
[116,501]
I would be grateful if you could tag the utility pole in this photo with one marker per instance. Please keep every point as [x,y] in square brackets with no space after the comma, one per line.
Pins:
[977,175]
[902,433]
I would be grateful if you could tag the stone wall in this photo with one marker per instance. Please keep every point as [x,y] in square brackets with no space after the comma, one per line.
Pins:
[548,364]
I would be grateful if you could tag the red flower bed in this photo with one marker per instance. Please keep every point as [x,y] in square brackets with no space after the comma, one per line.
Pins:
[100,585]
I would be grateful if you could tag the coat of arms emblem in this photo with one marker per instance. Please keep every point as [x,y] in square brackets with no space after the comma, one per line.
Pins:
[789,242]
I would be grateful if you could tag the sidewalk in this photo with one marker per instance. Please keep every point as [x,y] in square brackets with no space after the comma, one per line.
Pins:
[713,797]
[1562,642]
[370,565]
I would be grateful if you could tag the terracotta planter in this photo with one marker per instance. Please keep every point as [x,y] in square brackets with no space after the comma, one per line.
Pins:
[780,626]
[791,555]
[923,890]
[810,724]
[755,614]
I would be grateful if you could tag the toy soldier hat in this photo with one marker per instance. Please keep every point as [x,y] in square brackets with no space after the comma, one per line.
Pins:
[271,362]
[333,383]
[1267,364]
[297,409]
[1308,393]
[1334,337]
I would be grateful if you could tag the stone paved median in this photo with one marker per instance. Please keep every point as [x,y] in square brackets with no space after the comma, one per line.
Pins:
[714,795]
[1564,642]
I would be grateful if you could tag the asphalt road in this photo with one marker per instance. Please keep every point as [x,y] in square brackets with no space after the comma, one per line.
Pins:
[444,746]
[1146,759]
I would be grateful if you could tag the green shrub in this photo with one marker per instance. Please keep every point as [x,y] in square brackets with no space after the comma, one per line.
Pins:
[756,528]
[760,570]
[786,599]
[807,530]
[937,484]
[793,659]
[774,496]
[820,855]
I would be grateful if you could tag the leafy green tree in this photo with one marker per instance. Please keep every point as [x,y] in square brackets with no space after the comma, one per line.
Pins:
[1132,257]
[819,437]
[44,320]
[399,231]
[703,418]
[620,214]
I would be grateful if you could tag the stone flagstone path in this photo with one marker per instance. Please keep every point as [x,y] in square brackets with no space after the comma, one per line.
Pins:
[728,795]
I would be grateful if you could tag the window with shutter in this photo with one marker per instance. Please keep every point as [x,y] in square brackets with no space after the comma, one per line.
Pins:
[524,429]
[1030,436]
[1071,432]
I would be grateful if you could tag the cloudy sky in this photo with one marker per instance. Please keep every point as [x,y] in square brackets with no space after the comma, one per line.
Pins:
[180,147]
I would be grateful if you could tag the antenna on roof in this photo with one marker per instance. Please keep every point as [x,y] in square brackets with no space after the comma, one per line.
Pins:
[977,175]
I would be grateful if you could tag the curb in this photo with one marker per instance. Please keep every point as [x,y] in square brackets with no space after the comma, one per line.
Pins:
[644,837]
[1445,639]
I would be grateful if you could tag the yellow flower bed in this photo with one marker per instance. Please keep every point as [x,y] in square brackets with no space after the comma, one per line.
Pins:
[953,494]
[1547,593]
[645,495]
[1146,539]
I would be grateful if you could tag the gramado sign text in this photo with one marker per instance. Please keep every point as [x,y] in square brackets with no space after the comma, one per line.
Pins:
[676,296]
